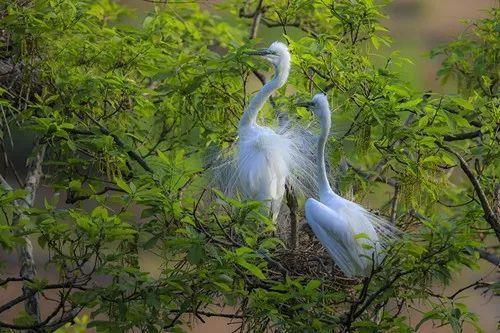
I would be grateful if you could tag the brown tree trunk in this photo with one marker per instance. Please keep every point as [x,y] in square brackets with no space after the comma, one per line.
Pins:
[25,251]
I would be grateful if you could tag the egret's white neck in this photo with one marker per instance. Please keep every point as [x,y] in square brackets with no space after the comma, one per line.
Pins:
[257,102]
[326,123]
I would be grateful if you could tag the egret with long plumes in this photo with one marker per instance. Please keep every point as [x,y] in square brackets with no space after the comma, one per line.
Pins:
[266,158]
[353,236]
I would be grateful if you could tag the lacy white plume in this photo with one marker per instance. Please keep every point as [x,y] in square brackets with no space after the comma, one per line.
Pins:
[354,237]
[242,170]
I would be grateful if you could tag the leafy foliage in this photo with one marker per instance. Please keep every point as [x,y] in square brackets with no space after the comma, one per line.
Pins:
[124,115]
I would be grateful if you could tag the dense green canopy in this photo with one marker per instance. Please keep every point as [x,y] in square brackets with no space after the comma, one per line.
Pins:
[125,113]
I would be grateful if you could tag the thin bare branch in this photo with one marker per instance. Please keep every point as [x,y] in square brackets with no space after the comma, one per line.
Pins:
[378,178]
[496,202]
[72,198]
[489,216]
[463,136]
[394,204]
[291,202]
[256,20]
[121,144]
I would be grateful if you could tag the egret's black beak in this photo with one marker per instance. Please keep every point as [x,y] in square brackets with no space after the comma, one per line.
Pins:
[261,52]
[304,104]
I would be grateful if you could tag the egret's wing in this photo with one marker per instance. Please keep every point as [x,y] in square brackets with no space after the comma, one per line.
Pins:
[336,236]
[255,167]
[373,233]
[262,160]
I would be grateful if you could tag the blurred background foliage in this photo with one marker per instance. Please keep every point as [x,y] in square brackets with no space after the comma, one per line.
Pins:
[124,106]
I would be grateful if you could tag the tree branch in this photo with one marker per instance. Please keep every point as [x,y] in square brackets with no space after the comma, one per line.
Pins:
[496,200]
[11,279]
[463,136]
[394,204]
[491,257]
[291,201]
[224,315]
[374,296]
[19,299]
[72,198]
[66,318]
[367,175]
[120,144]
[489,216]
[256,21]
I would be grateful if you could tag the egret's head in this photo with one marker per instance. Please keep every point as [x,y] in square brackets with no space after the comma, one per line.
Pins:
[319,106]
[277,54]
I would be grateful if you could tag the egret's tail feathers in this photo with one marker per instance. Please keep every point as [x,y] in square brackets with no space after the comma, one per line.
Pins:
[386,231]
[366,236]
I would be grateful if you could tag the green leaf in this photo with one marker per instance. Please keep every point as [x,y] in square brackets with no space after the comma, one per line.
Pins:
[251,267]
[75,185]
[463,103]
[432,160]
[243,250]
[313,285]
[124,186]
[195,254]
[361,235]
[410,104]
[400,90]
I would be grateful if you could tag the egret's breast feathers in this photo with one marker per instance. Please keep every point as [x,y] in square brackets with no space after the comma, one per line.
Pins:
[263,165]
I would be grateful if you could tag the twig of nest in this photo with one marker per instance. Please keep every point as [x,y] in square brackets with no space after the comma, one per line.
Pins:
[311,260]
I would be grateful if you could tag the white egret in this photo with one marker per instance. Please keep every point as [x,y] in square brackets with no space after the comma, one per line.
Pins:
[263,158]
[266,158]
[352,236]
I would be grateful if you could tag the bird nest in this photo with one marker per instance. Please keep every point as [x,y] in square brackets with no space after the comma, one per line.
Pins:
[310,259]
